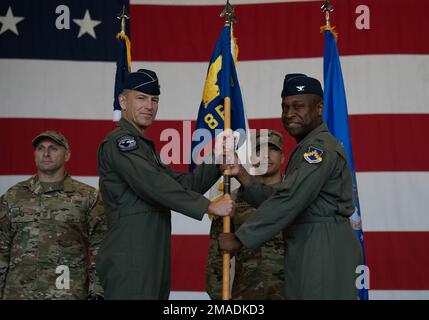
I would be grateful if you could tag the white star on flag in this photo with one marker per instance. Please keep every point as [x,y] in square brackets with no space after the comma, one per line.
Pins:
[87,25]
[9,22]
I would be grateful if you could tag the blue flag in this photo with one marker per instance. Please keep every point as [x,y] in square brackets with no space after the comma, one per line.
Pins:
[123,67]
[221,82]
[336,117]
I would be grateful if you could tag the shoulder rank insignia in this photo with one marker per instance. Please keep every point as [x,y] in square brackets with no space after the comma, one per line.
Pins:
[313,155]
[127,143]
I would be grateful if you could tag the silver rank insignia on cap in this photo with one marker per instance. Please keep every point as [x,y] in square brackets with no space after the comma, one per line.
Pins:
[313,155]
[127,143]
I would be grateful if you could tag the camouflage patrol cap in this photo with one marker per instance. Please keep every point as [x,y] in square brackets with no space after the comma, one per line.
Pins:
[56,136]
[275,138]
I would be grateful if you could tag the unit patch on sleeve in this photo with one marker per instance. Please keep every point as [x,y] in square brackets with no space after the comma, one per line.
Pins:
[313,155]
[127,143]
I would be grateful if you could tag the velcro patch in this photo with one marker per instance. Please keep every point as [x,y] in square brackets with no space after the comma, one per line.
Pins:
[313,155]
[127,143]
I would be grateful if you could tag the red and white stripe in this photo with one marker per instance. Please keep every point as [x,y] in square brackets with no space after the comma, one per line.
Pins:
[385,70]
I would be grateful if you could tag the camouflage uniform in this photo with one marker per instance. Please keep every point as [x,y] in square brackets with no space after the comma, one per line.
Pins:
[46,225]
[259,274]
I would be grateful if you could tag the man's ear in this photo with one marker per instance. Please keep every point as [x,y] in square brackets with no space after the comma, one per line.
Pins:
[122,101]
[67,156]
[320,107]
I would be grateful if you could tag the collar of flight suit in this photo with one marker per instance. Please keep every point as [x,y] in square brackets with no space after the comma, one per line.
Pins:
[303,143]
[322,128]
[128,126]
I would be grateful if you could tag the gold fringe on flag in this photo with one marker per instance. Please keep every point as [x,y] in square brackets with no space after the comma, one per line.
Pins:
[234,46]
[122,35]
[332,29]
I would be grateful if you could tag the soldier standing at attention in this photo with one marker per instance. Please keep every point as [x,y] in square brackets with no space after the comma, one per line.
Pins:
[138,192]
[259,274]
[312,205]
[51,227]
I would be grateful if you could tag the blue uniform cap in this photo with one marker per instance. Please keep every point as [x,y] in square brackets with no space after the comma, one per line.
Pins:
[143,80]
[298,83]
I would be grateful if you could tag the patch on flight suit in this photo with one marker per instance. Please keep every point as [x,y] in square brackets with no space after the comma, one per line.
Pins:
[313,155]
[127,143]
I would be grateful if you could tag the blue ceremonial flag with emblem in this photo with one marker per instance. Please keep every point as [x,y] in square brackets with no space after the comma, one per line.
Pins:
[221,82]
[336,117]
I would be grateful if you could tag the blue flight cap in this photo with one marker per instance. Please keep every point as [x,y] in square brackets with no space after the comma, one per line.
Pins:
[143,80]
[298,83]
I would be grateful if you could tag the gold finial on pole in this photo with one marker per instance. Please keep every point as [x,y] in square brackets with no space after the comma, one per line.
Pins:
[122,16]
[228,13]
[327,8]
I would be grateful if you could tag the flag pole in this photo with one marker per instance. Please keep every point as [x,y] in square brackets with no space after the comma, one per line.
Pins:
[230,18]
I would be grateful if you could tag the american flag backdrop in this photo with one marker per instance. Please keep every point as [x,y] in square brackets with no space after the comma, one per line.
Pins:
[57,71]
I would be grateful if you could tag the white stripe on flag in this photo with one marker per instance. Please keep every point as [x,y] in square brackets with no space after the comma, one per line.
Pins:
[397,294]
[394,201]
[22,81]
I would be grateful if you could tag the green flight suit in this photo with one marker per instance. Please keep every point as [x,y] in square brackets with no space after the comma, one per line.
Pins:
[139,191]
[311,206]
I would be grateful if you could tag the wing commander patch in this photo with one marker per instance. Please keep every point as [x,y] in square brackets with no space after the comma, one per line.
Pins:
[313,155]
[127,143]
